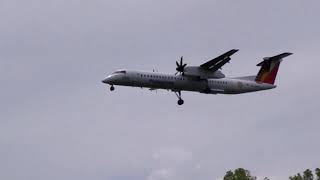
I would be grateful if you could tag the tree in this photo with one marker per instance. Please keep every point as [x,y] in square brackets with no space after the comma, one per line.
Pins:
[239,174]
[307,175]
[296,177]
[229,176]
[317,174]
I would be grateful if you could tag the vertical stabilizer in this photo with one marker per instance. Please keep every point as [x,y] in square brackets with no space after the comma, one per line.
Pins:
[269,68]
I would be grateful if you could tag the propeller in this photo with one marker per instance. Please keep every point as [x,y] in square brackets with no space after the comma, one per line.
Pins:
[180,66]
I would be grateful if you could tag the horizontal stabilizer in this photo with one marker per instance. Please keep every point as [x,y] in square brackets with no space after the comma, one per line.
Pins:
[277,57]
[269,68]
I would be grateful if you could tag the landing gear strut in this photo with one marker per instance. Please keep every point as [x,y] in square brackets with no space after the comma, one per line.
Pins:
[112,88]
[178,94]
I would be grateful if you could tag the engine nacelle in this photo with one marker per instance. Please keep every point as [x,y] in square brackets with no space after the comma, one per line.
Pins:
[203,73]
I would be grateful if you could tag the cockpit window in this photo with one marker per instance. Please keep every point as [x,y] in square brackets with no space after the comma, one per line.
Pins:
[120,72]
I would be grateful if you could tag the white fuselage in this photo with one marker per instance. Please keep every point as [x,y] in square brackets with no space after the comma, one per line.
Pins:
[154,80]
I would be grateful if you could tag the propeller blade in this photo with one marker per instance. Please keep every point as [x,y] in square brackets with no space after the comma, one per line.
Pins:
[177,64]
[180,66]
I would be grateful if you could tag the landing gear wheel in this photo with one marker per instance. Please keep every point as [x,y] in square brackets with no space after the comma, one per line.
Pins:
[112,88]
[178,94]
[180,102]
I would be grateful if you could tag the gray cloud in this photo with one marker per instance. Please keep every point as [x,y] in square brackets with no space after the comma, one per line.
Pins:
[59,122]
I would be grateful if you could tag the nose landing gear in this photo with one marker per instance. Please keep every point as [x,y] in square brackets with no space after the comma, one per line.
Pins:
[112,88]
[180,100]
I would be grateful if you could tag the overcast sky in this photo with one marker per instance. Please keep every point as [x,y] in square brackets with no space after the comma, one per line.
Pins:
[58,121]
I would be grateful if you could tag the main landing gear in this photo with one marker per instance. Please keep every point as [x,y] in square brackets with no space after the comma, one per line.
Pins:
[112,88]
[178,94]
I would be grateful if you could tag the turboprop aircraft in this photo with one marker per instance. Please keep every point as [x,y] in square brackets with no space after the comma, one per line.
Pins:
[206,78]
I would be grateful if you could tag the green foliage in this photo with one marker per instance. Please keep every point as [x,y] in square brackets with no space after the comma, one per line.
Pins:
[239,174]
[296,177]
[242,174]
[229,176]
[307,175]
[317,171]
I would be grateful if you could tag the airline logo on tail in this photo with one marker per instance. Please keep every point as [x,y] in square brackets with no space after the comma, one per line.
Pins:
[269,68]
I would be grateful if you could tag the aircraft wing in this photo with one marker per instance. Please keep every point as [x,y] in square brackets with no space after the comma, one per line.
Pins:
[219,61]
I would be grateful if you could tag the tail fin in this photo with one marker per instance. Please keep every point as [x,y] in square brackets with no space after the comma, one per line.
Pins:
[269,68]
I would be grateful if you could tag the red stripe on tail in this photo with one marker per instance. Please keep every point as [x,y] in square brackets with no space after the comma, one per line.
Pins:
[271,77]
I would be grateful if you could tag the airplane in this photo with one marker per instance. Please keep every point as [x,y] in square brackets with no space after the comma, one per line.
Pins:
[206,78]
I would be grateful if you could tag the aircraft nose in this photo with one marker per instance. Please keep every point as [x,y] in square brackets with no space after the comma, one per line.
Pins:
[106,80]
[109,80]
